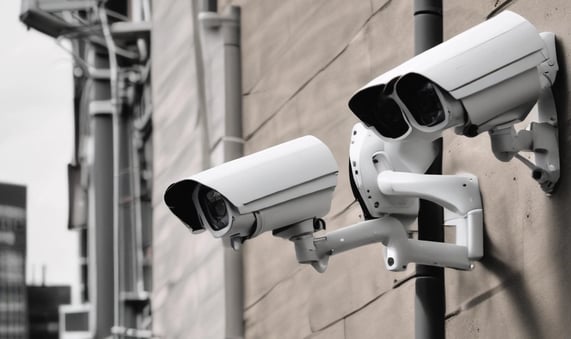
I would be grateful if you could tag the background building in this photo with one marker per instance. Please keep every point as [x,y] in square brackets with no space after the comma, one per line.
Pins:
[298,64]
[13,308]
[109,178]
[43,310]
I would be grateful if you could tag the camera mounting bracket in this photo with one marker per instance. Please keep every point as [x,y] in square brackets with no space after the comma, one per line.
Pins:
[542,138]
[458,193]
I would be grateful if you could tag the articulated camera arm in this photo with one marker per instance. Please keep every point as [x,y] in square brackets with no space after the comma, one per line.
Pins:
[458,193]
[542,137]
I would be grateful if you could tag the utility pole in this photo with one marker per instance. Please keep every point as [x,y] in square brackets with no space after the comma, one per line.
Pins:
[101,193]
[430,306]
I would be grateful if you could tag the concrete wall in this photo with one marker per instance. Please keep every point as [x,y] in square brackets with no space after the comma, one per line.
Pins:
[188,294]
[521,285]
[301,61]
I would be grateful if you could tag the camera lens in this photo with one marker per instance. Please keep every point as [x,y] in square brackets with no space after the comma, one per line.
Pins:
[214,206]
[420,98]
[376,108]
[389,119]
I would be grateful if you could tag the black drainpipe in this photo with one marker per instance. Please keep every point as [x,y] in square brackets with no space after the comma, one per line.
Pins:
[209,6]
[430,297]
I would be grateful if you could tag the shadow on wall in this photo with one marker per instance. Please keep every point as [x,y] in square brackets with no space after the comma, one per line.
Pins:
[559,235]
[561,94]
[516,284]
[516,288]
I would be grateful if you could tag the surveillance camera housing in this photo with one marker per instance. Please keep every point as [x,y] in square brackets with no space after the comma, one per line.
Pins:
[488,76]
[286,189]
[273,188]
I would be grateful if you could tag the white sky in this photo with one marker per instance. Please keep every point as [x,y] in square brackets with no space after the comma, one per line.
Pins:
[36,141]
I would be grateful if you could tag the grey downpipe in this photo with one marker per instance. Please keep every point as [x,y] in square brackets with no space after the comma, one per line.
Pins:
[113,73]
[233,148]
[200,87]
[101,230]
[229,25]
[209,5]
[429,288]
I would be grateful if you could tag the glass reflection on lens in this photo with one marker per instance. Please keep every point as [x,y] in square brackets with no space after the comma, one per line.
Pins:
[419,96]
[214,207]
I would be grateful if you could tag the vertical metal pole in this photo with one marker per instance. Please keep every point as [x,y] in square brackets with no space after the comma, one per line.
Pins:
[200,86]
[123,247]
[227,32]
[430,296]
[427,24]
[101,231]
[124,222]
[209,5]
[118,232]
[233,148]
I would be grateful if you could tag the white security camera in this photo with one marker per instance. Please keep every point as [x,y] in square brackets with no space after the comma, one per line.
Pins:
[270,189]
[287,188]
[485,79]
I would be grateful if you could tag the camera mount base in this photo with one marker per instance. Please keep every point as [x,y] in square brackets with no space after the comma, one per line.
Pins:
[542,138]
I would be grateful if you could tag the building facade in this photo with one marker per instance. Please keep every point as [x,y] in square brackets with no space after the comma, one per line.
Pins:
[43,310]
[13,297]
[109,171]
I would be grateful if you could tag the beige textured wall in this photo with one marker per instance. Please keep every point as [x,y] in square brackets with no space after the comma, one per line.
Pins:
[302,60]
[188,295]
[521,287]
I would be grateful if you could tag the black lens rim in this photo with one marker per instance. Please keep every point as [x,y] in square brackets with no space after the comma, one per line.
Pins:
[216,222]
[390,121]
[419,96]
[377,108]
